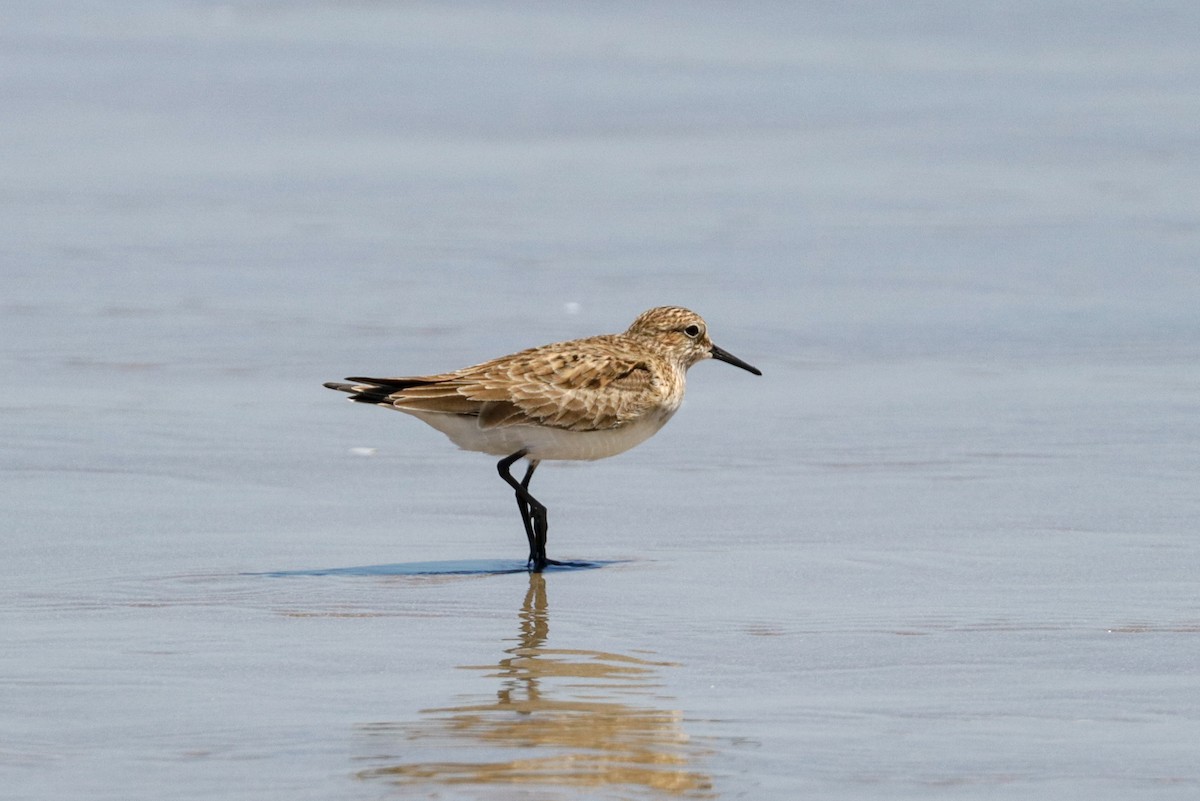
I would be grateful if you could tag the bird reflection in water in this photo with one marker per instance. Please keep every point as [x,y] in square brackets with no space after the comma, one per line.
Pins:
[566,713]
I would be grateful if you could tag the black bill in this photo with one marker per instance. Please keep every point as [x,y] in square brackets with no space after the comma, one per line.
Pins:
[729,358]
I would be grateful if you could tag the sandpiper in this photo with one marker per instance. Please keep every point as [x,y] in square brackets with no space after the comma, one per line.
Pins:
[580,400]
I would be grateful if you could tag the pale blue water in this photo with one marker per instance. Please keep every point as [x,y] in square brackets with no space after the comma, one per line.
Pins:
[945,546]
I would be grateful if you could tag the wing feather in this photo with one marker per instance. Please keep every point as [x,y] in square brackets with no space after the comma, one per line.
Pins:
[578,386]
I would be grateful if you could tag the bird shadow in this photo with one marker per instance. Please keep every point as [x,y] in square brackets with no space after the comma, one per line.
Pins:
[456,567]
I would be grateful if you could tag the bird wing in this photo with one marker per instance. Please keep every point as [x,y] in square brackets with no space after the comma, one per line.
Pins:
[577,386]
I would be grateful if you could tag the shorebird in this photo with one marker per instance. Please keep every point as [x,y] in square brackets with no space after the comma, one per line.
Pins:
[580,400]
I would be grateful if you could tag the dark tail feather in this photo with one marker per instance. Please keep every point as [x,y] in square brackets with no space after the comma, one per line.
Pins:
[391,384]
[363,393]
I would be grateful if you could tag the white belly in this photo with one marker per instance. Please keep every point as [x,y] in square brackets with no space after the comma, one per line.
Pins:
[539,442]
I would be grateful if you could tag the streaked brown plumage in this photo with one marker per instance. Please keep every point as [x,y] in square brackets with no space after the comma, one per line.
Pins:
[584,399]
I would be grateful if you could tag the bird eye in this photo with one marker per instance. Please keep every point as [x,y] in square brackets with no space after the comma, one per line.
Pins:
[692,331]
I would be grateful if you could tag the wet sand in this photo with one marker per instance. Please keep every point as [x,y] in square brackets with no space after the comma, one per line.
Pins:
[945,546]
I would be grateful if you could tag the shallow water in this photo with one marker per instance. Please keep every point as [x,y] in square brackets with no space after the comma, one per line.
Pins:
[944,546]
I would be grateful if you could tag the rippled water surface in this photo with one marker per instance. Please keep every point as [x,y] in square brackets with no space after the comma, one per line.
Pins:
[946,546]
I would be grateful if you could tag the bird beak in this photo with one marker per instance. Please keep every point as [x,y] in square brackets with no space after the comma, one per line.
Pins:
[729,358]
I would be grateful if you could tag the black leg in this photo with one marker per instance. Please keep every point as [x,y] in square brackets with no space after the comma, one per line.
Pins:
[526,517]
[533,512]
[526,512]
[522,505]
[540,527]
